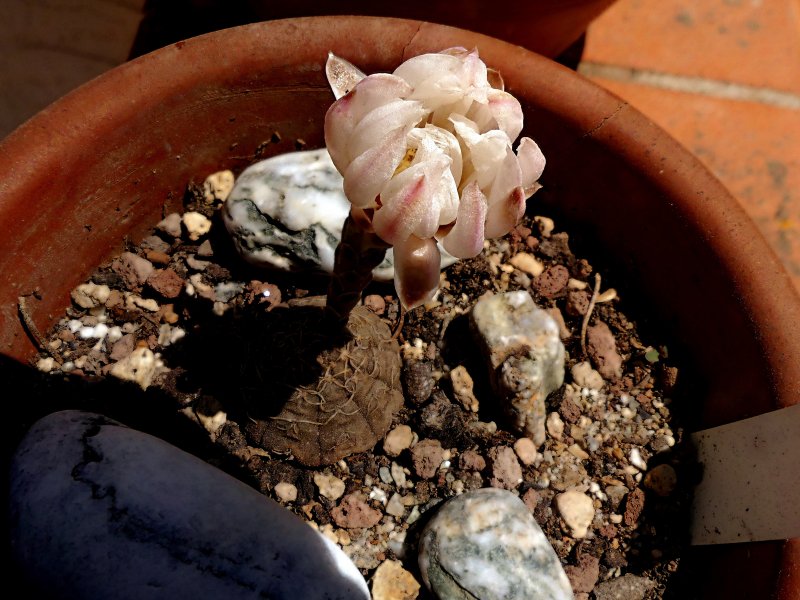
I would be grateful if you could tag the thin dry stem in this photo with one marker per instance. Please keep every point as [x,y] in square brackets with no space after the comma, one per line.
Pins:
[589,310]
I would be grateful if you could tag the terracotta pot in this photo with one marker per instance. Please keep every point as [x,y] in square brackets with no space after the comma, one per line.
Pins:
[102,163]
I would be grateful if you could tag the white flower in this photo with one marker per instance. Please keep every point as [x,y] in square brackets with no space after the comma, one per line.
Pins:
[426,154]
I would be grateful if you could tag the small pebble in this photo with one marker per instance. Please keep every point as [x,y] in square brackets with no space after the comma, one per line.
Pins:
[427,455]
[205,250]
[662,479]
[329,486]
[123,347]
[527,263]
[392,582]
[602,349]
[552,281]
[218,186]
[555,426]
[524,356]
[89,295]
[526,451]
[166,282]
[141,367]
[418,380]
[585,376]
[132,302]
[375,303]
[171,225]
[385,474]
[45,365]
[395,506]
[627,587]
[585,574]
[397,440]
[506,472]
[636,460]
[578,452]
[472,461]
[133,269]
[354,511]
[398,475]
[286,492]
[634,505]
[197,225]
[577,510]
[462,388]
[616,493]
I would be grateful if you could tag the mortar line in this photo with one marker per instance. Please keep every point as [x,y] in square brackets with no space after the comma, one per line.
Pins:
[693,85]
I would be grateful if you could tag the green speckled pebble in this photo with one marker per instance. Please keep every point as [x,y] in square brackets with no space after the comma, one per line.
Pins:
[486,545]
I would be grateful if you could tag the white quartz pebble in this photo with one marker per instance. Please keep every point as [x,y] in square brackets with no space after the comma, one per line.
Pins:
[197,225]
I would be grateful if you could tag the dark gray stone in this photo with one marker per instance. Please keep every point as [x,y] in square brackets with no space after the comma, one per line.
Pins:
[99,510]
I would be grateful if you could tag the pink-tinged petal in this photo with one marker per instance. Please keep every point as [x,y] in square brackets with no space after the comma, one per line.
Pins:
[344,114]
[417,263]
[507,112]
[504,215]
[368,173]
[406,203]
[465,239]
[387,117]
[342,75]
[339,124]
[531,162]
[508,176]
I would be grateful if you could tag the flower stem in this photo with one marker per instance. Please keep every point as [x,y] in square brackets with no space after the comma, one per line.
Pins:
[357,254]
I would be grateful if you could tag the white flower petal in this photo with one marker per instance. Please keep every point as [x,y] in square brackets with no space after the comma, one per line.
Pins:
[531,162]
[406,203]
[445,141]
[368,173]
[504,215]
[416,270]
[371,129]
[506,111]
[507,177]
[344,114]
[465,239]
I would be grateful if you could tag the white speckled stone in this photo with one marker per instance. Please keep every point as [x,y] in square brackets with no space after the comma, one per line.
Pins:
[485,544]
[525,354]
[98,510]
[287,212]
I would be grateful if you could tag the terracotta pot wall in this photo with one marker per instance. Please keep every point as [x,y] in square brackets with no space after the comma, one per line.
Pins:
[104,162]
